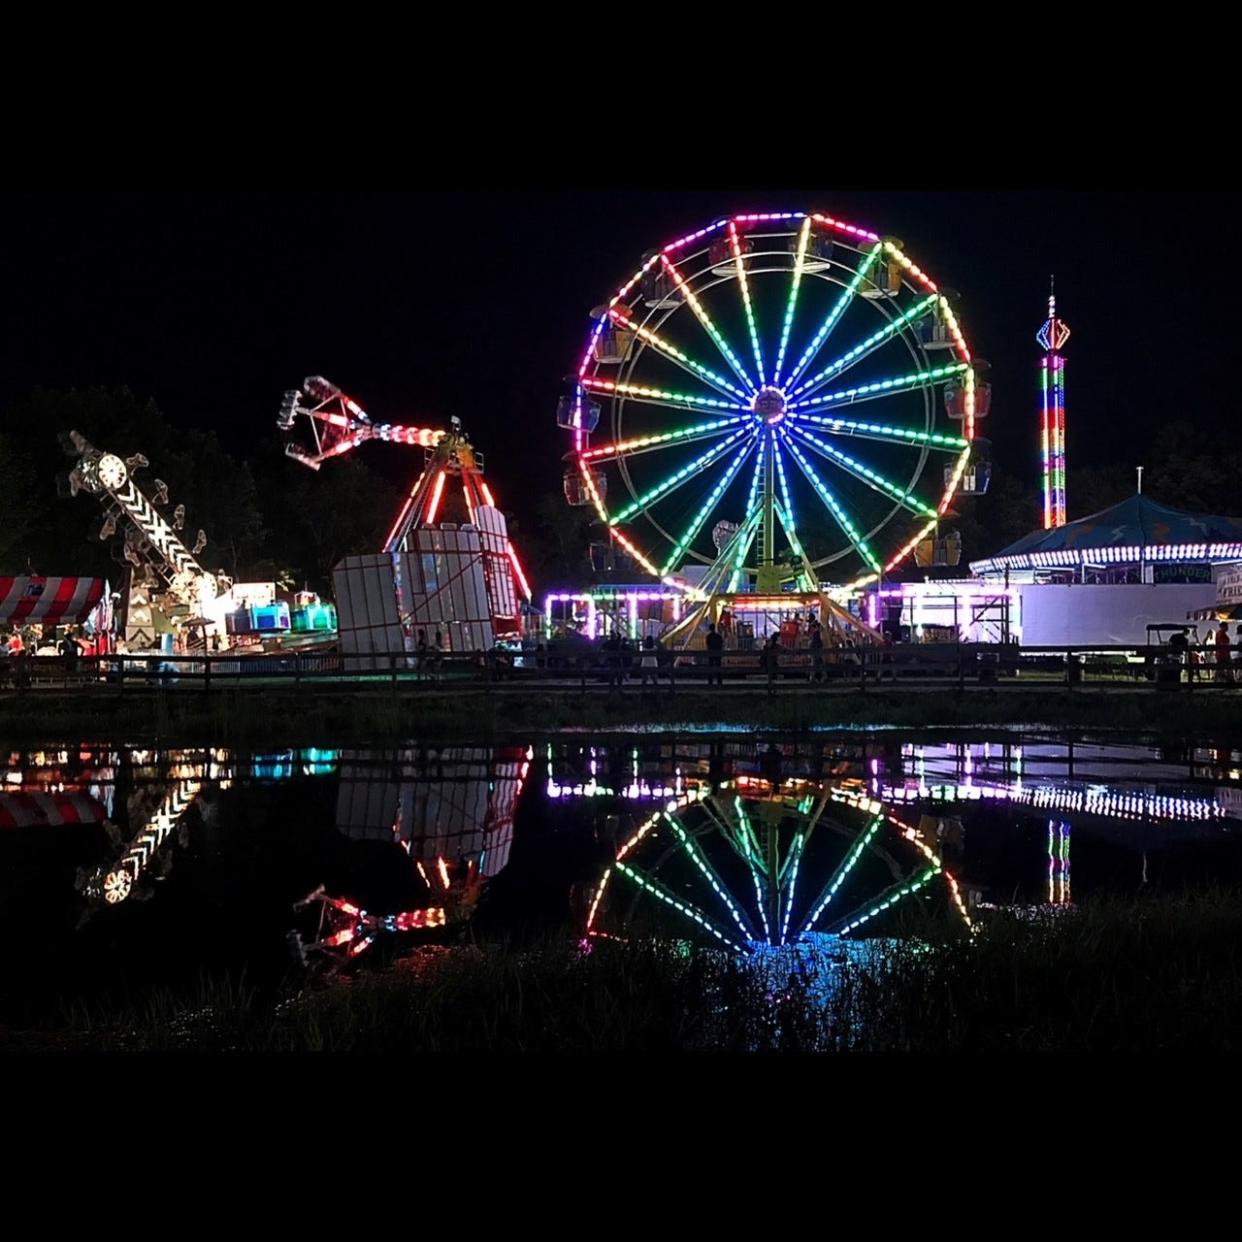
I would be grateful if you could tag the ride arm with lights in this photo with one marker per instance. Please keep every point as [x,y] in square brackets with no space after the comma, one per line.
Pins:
[102,473]
[339,424]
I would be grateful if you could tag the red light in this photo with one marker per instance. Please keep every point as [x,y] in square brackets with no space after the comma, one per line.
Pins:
[436,493]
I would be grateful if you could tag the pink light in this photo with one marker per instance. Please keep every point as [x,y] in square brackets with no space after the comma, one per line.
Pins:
[487,494]
[690,237]
[436,493]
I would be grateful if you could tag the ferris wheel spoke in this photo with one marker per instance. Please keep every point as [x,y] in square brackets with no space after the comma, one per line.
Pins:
[708,872]
[691,532]
[832,504]
[854,356]
[837,878]
[785,516]
[804,236]
[881,388]
[744,543]
[686,363]
[745,540]
[842,304]
[656,889]
[872,478]
[634,551]
[677,479]
[794,861]
[706,320]
[881,431]
[740,265]
[660,396]
[680,435]
[597,500]
[890,897]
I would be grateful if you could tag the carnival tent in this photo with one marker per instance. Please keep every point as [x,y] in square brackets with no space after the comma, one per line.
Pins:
[1137,529]
[50,601]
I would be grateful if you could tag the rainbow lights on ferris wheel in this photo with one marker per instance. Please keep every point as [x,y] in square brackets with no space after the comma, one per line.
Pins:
[745,309]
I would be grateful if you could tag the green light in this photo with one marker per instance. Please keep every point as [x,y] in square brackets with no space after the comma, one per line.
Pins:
[659,396]
[837,311]
[701,863]
[872,477]
[860,545]
[676,478]
[879,907]
[640,443]
[843,869]
[658,890]
[889,329]
[850,426]
[705,319]
[743,547]
[708,505]
[786,520]
[754,873]
[879,386]
[673,352]
[793,300]
[750,314]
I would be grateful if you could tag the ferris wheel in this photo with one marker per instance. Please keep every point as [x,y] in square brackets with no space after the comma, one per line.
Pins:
[750,864]
[780,396]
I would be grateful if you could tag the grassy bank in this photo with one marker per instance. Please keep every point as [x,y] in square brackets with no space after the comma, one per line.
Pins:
[315,717]
[1162,974]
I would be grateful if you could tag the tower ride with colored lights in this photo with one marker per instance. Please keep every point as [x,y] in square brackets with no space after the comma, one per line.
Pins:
[794,484]
[1052,336]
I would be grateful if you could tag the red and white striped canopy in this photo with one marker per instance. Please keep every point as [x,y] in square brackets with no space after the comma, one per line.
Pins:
[27,810]
[49,601]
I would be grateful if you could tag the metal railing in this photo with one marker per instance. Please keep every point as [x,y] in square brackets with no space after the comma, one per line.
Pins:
[932,664]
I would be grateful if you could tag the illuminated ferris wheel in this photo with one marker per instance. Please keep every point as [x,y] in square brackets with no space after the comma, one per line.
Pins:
[751,864]
[780,396]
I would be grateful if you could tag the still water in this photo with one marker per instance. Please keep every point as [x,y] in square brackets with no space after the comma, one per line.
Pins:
[123,867]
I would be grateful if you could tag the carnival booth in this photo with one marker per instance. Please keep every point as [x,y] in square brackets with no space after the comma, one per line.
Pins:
[40,609]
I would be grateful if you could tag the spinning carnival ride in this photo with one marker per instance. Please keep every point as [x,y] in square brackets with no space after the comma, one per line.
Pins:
[338,425]
[759,466]
[164,570]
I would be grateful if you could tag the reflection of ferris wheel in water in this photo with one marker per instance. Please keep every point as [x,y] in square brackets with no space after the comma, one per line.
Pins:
[748,864]
[828,428]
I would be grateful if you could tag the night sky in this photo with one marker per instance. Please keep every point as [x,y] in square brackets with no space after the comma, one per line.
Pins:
[427,305]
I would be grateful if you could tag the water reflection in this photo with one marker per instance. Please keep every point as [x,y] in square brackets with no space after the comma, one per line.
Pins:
[145,862]
[727,861]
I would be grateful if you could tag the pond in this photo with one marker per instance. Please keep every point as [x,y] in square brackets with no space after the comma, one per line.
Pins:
[124,867]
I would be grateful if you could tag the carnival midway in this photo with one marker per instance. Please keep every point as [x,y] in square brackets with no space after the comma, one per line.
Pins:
[773,424]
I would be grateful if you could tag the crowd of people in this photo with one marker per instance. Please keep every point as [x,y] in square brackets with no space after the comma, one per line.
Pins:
[652,659]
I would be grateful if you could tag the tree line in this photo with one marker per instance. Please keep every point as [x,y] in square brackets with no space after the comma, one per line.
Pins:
[269,519]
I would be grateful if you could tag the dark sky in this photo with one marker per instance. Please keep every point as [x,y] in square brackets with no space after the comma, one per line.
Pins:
[426,305]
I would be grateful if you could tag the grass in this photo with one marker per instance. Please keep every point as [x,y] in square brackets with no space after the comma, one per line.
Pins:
[316,717]
[1157,974]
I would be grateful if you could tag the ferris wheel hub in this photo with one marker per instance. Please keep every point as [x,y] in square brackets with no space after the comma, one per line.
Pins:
[768,405]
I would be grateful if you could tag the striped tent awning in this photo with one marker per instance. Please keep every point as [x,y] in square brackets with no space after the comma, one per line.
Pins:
[49,601]
[29,810]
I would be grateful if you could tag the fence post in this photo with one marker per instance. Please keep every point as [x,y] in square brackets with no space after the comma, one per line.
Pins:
[961,668]
[206,673]
[297,668]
